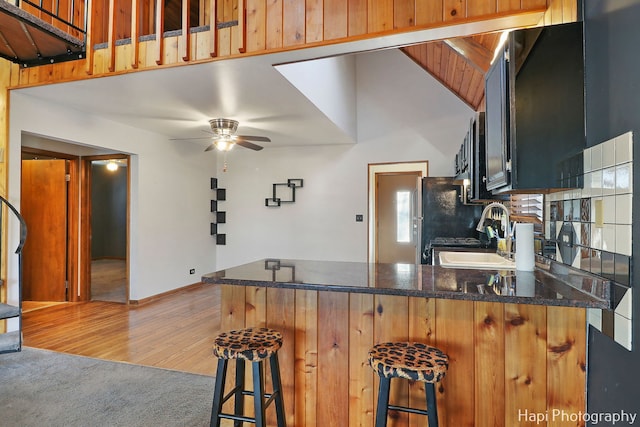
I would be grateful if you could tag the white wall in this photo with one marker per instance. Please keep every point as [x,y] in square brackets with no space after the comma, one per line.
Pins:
[169,191]
[403,115]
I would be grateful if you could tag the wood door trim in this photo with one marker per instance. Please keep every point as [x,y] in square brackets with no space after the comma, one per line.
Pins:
[73,216]
[373,170]
[85,227]
[47,153]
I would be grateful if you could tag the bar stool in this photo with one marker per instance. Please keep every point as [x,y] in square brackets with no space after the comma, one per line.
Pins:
[254,345]
[412,361]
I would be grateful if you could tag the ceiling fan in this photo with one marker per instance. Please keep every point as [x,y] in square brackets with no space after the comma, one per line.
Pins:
[225,138]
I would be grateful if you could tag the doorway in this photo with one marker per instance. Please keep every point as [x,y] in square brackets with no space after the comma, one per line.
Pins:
[395,212]
[105,218]
[49,204]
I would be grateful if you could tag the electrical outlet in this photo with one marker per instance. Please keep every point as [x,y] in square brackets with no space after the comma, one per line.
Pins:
[359,218]
[192,271]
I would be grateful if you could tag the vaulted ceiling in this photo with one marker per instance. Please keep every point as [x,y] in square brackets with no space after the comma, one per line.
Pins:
[459,64]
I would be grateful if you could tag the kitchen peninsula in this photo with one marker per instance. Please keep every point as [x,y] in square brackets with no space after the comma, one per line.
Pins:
[513,349]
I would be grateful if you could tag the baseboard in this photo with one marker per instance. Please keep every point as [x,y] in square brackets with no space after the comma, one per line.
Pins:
[164,294]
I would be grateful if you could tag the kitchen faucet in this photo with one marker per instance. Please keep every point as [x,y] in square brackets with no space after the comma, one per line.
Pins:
[508,232]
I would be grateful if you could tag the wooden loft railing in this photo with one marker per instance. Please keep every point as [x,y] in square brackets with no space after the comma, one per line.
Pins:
[123,35]
[141,21]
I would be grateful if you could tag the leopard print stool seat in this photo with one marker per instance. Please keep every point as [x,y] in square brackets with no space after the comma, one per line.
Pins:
[412,361]
[255,346]
[248,344]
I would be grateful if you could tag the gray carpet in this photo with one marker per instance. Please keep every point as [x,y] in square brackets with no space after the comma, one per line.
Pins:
[45,388]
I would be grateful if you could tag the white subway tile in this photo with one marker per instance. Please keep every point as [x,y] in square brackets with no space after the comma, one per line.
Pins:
[622,331]
[596,157]
[596,237]
[624,208]
[577,233]
[594,317]
[586,160]
[624,178]
[622,239]
[609,237]
[609,209]
[625,307]
[596,183]
[624,148]
[609,153]
[608,181]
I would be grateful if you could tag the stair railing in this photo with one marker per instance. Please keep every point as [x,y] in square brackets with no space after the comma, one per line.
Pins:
[23,238]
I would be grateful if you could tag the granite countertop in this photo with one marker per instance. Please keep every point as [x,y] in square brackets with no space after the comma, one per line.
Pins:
[549,284]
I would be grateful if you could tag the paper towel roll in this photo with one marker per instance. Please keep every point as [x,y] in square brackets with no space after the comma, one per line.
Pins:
[525,283]
[525,257]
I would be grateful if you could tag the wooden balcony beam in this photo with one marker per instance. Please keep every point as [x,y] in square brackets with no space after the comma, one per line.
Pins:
[135,29]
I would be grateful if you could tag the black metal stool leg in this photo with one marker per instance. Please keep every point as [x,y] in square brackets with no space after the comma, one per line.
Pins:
[432,408]
[238,400]
[258,394]
[383,402]
[218,393]
[277,390]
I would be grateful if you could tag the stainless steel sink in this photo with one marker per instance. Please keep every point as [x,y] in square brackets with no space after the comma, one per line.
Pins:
[477,260]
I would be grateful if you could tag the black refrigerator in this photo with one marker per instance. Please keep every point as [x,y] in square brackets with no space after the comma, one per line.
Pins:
[447,221]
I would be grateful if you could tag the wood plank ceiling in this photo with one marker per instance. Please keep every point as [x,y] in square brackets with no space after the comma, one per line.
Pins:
[459,64]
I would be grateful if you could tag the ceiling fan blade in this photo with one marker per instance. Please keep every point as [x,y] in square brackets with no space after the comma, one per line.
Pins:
[210,147]
[249,145]
[252,138]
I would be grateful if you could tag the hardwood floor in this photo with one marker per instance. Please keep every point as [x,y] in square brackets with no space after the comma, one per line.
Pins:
[173,332]
[109,280]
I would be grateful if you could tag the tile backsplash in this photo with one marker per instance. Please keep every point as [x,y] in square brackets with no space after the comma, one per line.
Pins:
[591,228]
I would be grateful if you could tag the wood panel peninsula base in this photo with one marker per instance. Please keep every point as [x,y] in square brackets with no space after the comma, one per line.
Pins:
[508,361]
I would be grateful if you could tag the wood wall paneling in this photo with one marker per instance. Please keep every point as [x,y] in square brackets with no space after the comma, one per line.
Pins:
[454,10]
[392,324]
[565,341]
[333,358]
[274,24]
[256,26]
[357,16]
[525,368]
[489,371]
[314,21]
[503,358]
[379,15]
[335,19]
[361,376]
[294,23]
[306,358]
[404,13]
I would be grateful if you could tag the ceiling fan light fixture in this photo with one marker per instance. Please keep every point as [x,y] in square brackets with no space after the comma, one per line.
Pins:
[224,144]
[223,126]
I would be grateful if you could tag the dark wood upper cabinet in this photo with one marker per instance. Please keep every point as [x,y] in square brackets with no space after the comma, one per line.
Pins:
[544,134]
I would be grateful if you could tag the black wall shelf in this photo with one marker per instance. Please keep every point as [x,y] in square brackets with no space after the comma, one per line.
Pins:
[220,216]
[278,197]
